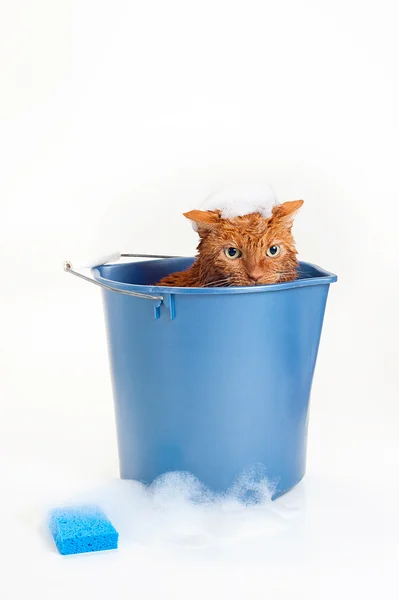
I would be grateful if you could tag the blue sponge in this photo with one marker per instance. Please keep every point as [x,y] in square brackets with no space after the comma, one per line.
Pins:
[82,529]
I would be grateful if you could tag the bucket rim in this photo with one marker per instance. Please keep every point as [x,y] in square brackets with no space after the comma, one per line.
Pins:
[323,278]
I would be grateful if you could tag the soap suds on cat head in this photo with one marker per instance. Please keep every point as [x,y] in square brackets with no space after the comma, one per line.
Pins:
[240,200]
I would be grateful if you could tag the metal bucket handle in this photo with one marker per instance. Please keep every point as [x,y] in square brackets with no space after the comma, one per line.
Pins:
[69,269]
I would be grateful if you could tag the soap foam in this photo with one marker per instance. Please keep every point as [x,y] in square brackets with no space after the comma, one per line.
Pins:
[178,509]
[239,200]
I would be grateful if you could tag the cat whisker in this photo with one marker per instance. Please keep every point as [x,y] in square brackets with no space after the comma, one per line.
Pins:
[290,274]
[218,283]
[235,283]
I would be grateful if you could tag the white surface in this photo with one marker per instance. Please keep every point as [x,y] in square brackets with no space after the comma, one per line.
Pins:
[115,119]
[100,259]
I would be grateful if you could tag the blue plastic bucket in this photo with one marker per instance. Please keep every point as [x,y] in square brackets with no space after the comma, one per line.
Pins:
[212,380]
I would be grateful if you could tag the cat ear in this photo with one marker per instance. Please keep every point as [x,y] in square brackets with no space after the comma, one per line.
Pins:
[203,220]
[286,212]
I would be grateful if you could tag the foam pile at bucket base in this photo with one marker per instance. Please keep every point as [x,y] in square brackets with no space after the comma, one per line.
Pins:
[178,509]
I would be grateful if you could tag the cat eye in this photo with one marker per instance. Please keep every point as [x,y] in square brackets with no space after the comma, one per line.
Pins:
[232,253]
[273,251]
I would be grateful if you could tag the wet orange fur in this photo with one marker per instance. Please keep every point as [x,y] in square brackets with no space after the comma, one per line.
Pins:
[252,235]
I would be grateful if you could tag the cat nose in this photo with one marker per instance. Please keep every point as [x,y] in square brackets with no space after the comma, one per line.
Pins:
[255,274]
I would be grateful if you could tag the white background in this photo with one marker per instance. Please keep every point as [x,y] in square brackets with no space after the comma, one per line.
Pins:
[117,117]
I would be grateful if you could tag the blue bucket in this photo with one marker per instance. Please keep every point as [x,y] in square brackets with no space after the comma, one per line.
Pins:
[212,381]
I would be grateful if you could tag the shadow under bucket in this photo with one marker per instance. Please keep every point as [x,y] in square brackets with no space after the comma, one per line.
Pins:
[213,381]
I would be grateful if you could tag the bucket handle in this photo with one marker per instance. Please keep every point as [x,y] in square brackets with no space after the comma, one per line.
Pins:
[68,268]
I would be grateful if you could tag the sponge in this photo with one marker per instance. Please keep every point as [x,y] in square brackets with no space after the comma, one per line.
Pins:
[82,529]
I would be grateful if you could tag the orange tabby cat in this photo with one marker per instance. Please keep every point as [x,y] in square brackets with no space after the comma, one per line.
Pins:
[248,250]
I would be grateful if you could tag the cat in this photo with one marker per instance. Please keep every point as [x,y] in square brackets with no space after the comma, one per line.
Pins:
[242,251]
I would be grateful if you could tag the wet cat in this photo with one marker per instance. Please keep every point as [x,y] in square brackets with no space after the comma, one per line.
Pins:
[242,251]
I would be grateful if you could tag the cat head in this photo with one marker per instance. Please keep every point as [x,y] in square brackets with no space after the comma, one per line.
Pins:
[248,250]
